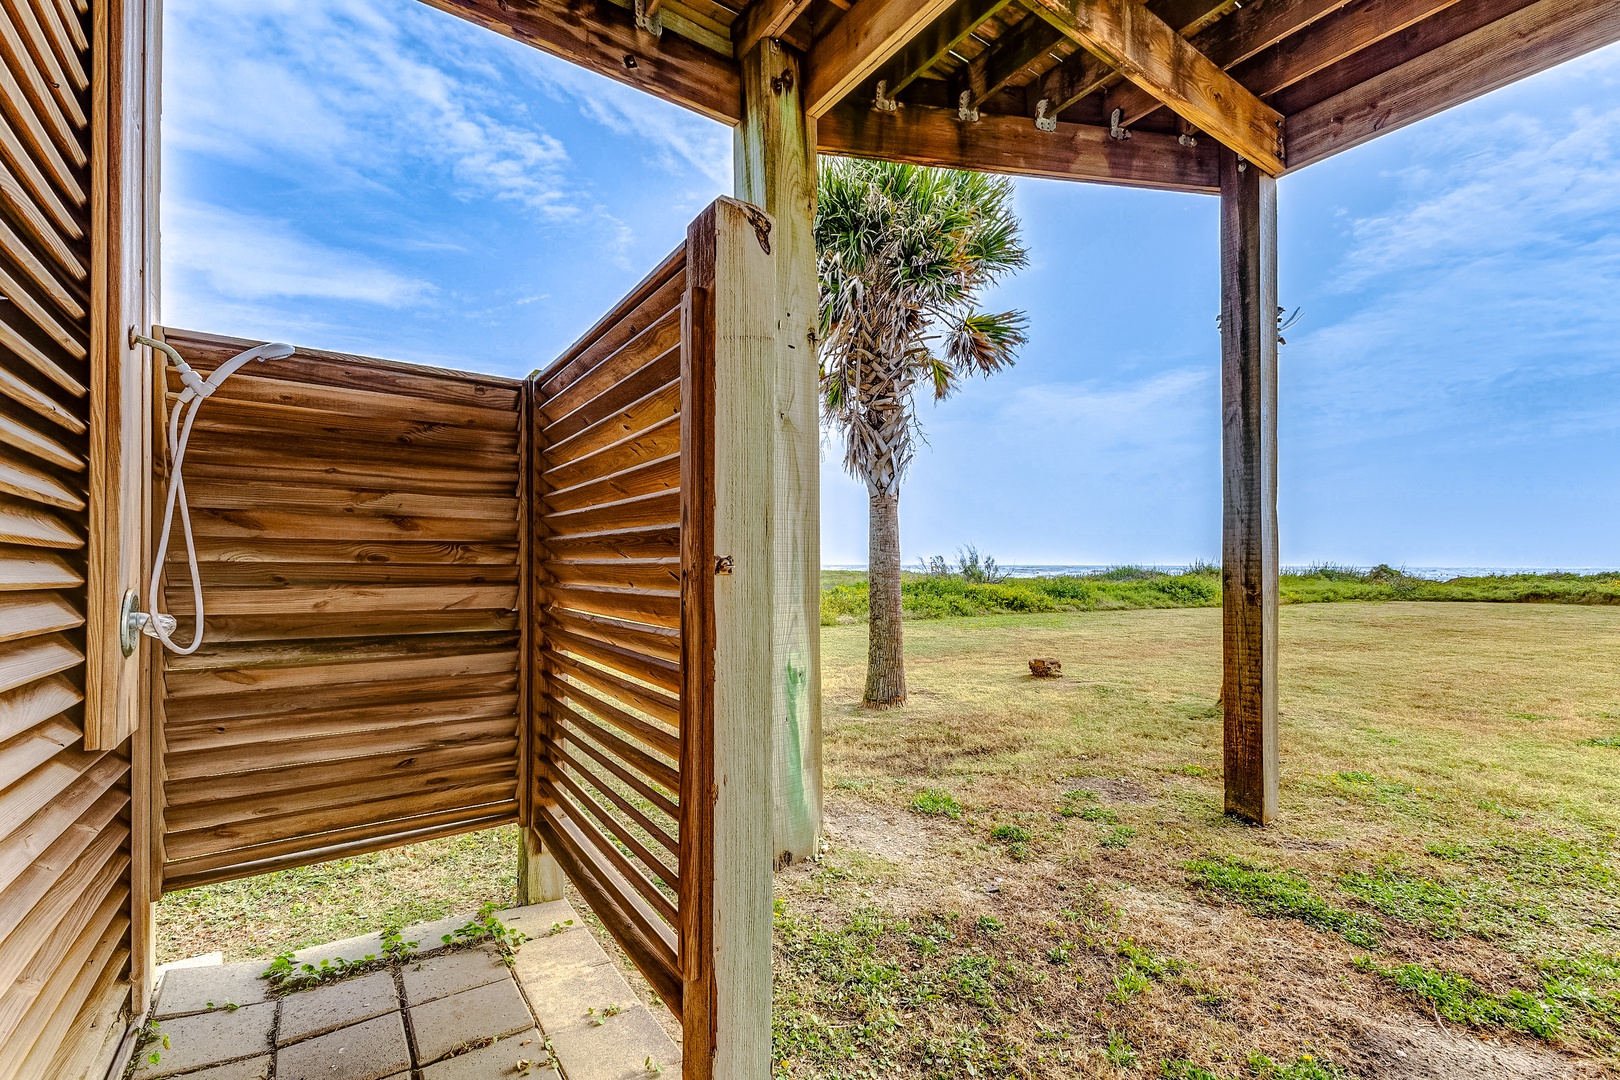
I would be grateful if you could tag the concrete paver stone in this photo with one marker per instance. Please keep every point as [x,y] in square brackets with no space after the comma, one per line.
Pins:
[198,989]
[563,1000]
[371,1050]
[444,1024]
[209,1038]
[617,1049]
[327,1008]
[536,920]
[429,937]
[559,954]
[451,973]
[257,1068]
[498,1061]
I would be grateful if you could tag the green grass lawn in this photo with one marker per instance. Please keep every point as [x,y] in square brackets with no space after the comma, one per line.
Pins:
[1034,878]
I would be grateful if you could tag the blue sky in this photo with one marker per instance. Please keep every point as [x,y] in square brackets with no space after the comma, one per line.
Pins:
[377,177]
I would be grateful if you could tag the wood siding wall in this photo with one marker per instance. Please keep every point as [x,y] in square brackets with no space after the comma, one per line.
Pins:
[64,811]
[608,726]
[358,687]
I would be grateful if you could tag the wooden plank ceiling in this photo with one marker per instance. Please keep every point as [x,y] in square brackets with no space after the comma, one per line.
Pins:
[1115,91]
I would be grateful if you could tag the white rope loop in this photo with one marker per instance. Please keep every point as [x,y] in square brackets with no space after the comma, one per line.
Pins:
[186,406]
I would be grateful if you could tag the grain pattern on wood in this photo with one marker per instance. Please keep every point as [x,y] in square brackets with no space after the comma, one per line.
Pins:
[72,485]
[1008,144]
[360,675]
[1532,39]
[859,44]
[1246,32]
[1249,551]
[1149,52]
[776,170]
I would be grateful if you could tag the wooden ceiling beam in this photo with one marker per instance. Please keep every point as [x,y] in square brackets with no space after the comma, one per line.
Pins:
[1151,54]
[935,42]
[769,19]
[1084,74]
[857,45]
[1009,54]
[1010,144]
[1234,39]
[1532,39]
[604,39]
[1454,22]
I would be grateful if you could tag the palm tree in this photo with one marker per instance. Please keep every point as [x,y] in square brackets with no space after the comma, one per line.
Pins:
[903,253]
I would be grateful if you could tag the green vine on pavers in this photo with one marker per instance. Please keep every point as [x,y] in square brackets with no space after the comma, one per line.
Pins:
[487,928]
[287,976]
[150,1034]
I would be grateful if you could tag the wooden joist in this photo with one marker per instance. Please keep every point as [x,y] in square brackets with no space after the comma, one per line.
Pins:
[1233,39]
[859,44]
[1146,50]
[927,136]
[1533,39]
[769,19]
[603,38]
[935,42]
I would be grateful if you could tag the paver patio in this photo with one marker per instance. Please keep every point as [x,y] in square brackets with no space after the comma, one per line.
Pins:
[560,1011]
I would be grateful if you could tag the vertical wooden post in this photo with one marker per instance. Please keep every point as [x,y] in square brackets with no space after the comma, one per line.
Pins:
[775,163]
[540,877]
[125,57]
[1249,486]
[728,367]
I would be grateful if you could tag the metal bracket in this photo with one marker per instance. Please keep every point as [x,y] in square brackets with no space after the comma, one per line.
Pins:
[130,621]
[882,102]
[965,110]
[1115,130]
[653,24]
[1044,122]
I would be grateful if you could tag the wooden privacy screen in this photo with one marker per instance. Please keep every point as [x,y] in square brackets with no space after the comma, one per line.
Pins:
[64,811]
[357,531]
[651,486]
[608,474]
[399,563]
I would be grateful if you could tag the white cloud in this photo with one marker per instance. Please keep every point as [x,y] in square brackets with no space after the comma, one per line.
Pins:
[242,258]
[355,89]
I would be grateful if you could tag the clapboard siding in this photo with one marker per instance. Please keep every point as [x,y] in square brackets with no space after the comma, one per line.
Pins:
[64,811]
[358,538]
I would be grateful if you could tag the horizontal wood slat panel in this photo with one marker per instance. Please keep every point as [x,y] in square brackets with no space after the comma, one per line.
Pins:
[659,440]
[65,836]
[606,596]
[360,556]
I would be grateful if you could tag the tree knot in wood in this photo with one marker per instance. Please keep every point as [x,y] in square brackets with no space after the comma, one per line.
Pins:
[761,222]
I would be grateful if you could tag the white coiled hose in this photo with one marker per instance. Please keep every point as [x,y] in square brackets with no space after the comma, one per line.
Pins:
[197,390]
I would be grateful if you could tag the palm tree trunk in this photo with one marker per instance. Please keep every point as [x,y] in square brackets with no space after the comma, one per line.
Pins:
[885,654]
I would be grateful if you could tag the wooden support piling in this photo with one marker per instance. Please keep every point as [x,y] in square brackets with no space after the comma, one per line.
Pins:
[775,163]
[1249,480]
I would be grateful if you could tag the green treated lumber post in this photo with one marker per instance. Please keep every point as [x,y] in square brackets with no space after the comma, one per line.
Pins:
[1249,552]
[775,163]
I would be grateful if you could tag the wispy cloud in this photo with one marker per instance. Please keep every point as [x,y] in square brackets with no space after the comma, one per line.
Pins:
[1480,300]
[246,258]
[356,89]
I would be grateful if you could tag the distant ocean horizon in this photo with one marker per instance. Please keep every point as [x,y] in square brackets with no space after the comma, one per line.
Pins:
[1433,573]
